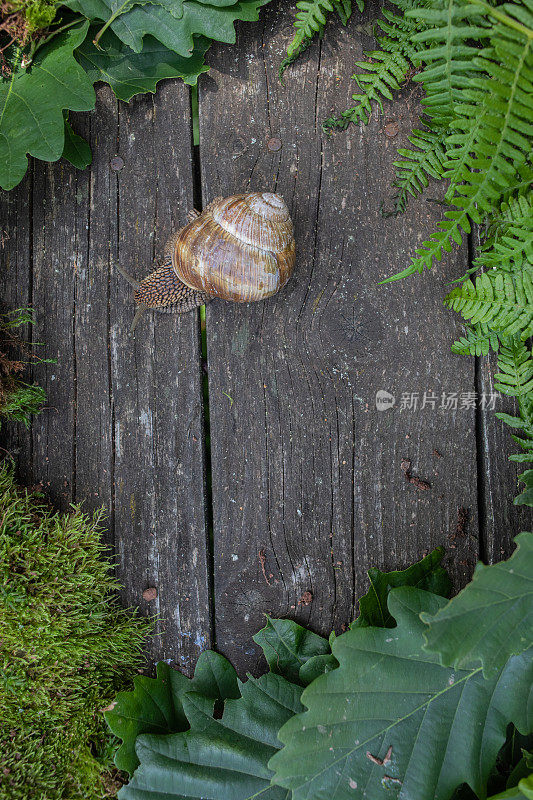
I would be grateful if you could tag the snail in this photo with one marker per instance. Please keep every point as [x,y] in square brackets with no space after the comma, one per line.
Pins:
[240,248]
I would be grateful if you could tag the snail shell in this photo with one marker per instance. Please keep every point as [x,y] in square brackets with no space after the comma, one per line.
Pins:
[239,248]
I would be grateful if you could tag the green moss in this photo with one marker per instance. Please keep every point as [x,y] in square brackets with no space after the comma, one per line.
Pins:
[30,16]
[66,647]
[18,400]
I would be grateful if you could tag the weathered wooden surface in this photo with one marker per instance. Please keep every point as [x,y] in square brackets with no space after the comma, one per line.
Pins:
[15,292]
[124,421]
[500,520]
[307,476]
[308,489]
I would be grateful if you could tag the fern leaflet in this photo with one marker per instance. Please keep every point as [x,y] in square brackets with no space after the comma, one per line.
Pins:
[499,103]
[503,301]
[478,341]
[385,71]
[526,497]
[515,379]
[311,19]
[448,54]
[508,245]
[515,362]
[418,166]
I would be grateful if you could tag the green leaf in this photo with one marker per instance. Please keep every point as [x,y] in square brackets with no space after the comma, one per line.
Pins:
[432,727]
[129,73]
[301,656]
[526,787]
[155,704]
[76,149]
[288,646]
[492,618]
[219,759]
[163,21]
[479,340]
[449,53]
[385,70]
[508,245]
[515,378]
[318,665]
[522,768]
[525,498]
[32,102]
[514,793]
[427,574]
[516,364]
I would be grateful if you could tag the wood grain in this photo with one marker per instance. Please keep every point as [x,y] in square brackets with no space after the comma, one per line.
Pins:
[308,486]
[160,527]
[500,519]
[15,292]
[123,427]
[60,250]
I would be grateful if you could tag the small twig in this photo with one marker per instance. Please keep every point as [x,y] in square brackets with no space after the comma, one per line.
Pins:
[262,561]
[414,479]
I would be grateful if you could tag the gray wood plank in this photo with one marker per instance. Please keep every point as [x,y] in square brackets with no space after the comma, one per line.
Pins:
[160,528]
[308,485]
[59,240]
[93,457]
[15,292]
[124,422]
[500,519]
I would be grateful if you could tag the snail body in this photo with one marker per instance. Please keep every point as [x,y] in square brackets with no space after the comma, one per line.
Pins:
[240,248]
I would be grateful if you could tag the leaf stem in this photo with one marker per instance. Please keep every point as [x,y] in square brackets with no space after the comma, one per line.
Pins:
[111,19]
[509,21]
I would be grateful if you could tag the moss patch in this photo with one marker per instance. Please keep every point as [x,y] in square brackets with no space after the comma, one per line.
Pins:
[18,400]
[23,20]
[66,647]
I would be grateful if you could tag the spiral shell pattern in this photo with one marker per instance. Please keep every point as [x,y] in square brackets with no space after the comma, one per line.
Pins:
[240,248]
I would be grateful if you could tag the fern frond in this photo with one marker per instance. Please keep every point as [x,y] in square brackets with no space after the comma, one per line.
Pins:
[448,53]
[459,147]
[501,300]
[498,104]
[515,365]
[385,71]
[526,496]
[515,378]
[478,341]
[344,8]
[311,19]
[508,245]
[419,166]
